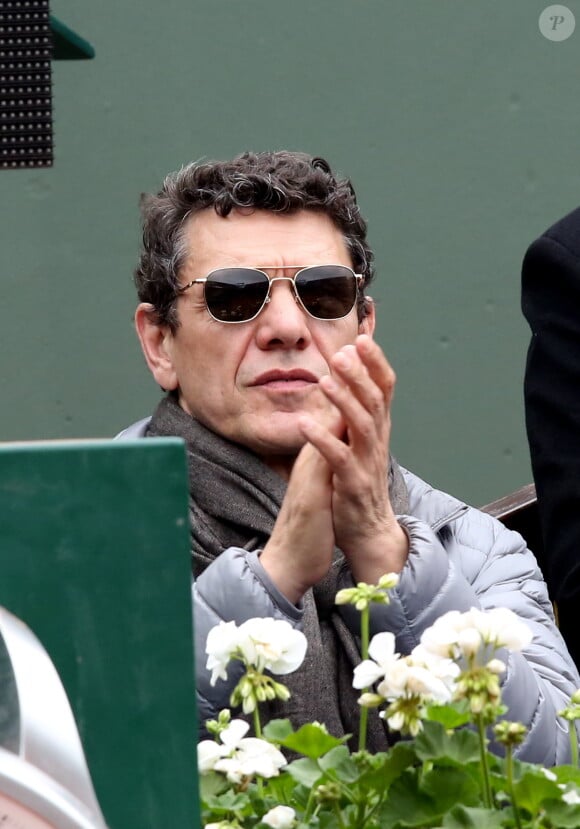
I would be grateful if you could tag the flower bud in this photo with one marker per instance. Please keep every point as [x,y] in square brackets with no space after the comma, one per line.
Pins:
[388,581]
[249,704]
[281,691]
[327,793]
[509,733]
[270,692]
[212,726]
[345,596]
[369,700]
[476,703]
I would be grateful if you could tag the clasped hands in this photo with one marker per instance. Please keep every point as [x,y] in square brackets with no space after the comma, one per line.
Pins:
[338,490]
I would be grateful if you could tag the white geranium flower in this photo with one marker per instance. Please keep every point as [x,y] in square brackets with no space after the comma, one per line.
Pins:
[422,681]
[280,817]
[469,641]
[239,756]
[572,798]
[271,644]
[221,644]
[251,757]
[395,680]
[234,733]
[441,638]
[208,753]
[507,630]
[467,634]
[382,653]
[404,678]
[396,721]
[443,668]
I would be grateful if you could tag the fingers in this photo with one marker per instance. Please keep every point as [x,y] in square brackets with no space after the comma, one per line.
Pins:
[363,411]
[361,388]
[299,551]
[331,448]
[377,365]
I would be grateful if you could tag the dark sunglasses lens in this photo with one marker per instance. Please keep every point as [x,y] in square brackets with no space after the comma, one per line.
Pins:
[328,292]
[235,294]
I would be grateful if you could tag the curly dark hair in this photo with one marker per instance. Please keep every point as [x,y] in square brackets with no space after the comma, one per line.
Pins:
[283,182]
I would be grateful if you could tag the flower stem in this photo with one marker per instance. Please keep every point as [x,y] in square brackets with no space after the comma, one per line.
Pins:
[338,814]
[483,762]
[257,724]
[509,767]
[573,743]
[258,733]
[364,637]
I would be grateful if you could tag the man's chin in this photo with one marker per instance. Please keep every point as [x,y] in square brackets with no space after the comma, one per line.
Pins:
[285,445]
[279,437]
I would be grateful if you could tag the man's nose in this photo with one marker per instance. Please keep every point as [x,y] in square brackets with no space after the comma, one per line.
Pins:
[283,322]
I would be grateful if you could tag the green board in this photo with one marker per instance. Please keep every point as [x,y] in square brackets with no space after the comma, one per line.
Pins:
[94,558]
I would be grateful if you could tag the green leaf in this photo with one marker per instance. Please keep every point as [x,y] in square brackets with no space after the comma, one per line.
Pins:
[277,730]
[407,805]
[281,788]
[567,774]
[229,801]
[339,760]
[449,786]
[324,820]
[434,743]
[562,814]
[305,771]
[212,783]
[450,716]
[311,740]
[533,789]
[391,766]
[422,799]
[462,817]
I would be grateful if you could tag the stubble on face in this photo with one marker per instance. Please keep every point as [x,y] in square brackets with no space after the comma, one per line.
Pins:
[219,367]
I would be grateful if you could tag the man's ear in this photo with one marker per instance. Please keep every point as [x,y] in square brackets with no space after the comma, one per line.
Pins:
[367,324]
[156,342]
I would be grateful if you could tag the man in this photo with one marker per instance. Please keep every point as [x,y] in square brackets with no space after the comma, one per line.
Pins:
[551,303]
[254,318]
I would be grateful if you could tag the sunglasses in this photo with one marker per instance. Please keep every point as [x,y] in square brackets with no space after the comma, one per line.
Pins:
[325,292]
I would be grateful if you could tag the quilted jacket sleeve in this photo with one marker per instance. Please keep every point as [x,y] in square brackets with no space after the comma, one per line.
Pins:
[235,587]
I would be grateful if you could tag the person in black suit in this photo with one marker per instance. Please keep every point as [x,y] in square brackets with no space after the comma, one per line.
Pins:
[551,305]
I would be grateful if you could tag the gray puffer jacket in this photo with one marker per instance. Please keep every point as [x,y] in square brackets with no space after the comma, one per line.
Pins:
[459,558]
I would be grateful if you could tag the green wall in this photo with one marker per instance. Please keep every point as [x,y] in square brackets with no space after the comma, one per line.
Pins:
[457,121]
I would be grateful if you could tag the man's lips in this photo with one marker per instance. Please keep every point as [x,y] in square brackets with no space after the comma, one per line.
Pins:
[279,380]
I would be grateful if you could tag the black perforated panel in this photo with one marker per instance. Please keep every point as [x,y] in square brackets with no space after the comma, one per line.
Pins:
[25,84]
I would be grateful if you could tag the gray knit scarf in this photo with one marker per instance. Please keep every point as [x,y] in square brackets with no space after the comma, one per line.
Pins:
[234,501]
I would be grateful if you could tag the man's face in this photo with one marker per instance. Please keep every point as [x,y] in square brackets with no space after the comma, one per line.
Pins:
[251,381]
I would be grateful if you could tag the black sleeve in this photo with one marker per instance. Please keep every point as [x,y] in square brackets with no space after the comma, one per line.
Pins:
[551,305]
